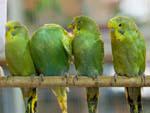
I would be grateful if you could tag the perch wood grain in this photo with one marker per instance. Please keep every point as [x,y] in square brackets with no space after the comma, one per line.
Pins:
[102,81]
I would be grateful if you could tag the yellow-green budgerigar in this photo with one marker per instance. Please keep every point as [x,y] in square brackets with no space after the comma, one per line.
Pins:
[88,52]
[19,59]
[51,52]
[128,50]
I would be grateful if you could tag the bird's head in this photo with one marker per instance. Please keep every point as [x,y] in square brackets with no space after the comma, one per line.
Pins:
[120,24]
[83,23]
[14,28]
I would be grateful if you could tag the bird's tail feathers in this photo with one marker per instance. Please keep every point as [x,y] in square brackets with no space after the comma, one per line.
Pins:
[92,99]
[30,99]
[134,100]
[61,95]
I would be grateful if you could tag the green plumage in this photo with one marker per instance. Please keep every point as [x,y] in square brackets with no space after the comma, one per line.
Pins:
[18,55]
[51,50]
[128,49]
[17,51]
[88,54]
[48,51]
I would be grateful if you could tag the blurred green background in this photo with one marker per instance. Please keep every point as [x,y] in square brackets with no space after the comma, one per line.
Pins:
[35,13]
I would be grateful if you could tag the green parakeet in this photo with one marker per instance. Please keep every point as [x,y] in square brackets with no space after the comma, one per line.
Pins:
[19,59]
[88,52]
[51,51]
[128,50]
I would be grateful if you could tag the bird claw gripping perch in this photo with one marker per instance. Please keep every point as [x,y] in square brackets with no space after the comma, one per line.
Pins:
[7,77]
[95,78]
[41,77]
[66,77]
[143,78]
[75,78]
[32,77]
[115,77]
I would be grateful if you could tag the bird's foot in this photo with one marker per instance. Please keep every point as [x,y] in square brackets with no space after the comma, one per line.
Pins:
[95,77]
[66,77]
[42,77]
[32,77]
[115,77]
[75,78]
[7,77]
[143,78]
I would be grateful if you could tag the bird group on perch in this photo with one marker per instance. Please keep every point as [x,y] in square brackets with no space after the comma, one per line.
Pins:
[51,49]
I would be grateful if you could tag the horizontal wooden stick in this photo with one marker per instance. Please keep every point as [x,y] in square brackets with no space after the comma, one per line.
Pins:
[51,81]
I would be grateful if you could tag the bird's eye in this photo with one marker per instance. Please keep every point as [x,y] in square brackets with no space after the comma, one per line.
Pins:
[120,25]
[121,31]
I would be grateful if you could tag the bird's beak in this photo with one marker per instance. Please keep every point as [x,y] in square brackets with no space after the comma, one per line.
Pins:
[71,26]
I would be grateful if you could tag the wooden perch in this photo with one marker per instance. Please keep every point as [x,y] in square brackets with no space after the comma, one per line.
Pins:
[102,81]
